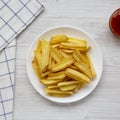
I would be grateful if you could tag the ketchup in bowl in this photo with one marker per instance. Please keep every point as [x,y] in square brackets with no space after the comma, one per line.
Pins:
[114,22]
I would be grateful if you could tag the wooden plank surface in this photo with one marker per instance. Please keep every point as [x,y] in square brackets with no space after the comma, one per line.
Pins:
[93,17]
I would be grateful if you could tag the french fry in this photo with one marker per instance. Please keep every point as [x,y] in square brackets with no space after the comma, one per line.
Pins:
[55,91]
[71,45]
[77,58]
[80,56]
[58,38]
[37,70]
[62,65]
[77,75]
[44,75]
[68,87]
[60,76]
[55,55]
[52,87]
[64,83]
[65,55]
[77,41]
[56,74]
[82,43]
[50,82]
[38,59]
[91,66]
[84,69]
[67,50]
[39,49]
[45,54]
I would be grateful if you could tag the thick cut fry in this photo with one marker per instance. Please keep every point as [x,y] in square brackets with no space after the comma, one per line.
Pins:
[65,55]
[68,87]
[52,91]
[39,49]
[44,75]
[77,75]
[56,74]
[80,56]
[84,64]
[36,69]
[55,46]
[68,83]
[62,65]
[83,69]
[71,45]
[45,54]
[78,41]
[91,66]
[76,57]
[39,59]
[50,82]
[52,87]
[67,50]
[58,38]
[60,76]
[55,55]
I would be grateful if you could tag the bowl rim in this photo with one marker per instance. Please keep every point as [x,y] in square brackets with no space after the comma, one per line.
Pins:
[56,27]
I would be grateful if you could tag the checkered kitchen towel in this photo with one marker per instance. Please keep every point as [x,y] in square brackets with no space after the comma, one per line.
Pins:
[15,16]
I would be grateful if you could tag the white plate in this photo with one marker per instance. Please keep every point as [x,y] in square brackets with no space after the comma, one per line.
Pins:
[94,53]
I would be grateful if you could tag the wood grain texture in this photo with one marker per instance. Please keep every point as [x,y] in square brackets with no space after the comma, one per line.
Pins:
[104,102]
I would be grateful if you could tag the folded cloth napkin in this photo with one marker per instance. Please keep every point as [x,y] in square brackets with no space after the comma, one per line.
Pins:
[15,16]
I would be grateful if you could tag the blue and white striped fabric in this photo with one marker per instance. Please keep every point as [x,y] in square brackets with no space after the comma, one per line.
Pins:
[15,16]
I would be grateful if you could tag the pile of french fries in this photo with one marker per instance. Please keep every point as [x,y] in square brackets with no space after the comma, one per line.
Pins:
[63,65]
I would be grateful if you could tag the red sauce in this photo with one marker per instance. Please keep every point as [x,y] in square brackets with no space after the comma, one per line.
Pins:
[115,23]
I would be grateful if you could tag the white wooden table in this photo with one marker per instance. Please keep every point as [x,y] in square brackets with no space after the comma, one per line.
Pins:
[104,102]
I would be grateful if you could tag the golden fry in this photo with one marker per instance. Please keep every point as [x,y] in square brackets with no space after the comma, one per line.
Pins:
[71,45]
[55,55]
[78,41]
[64,83]
[50,82]
[58,38]
[38,59]
[39,49]
[65,55]
[52,87]
[62,65]
[68,87]
[84,69]
[55,91]
[37,70]
[81,57]
[91,66]
[67,50]
[45,54]
[56,74]
[77,75]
